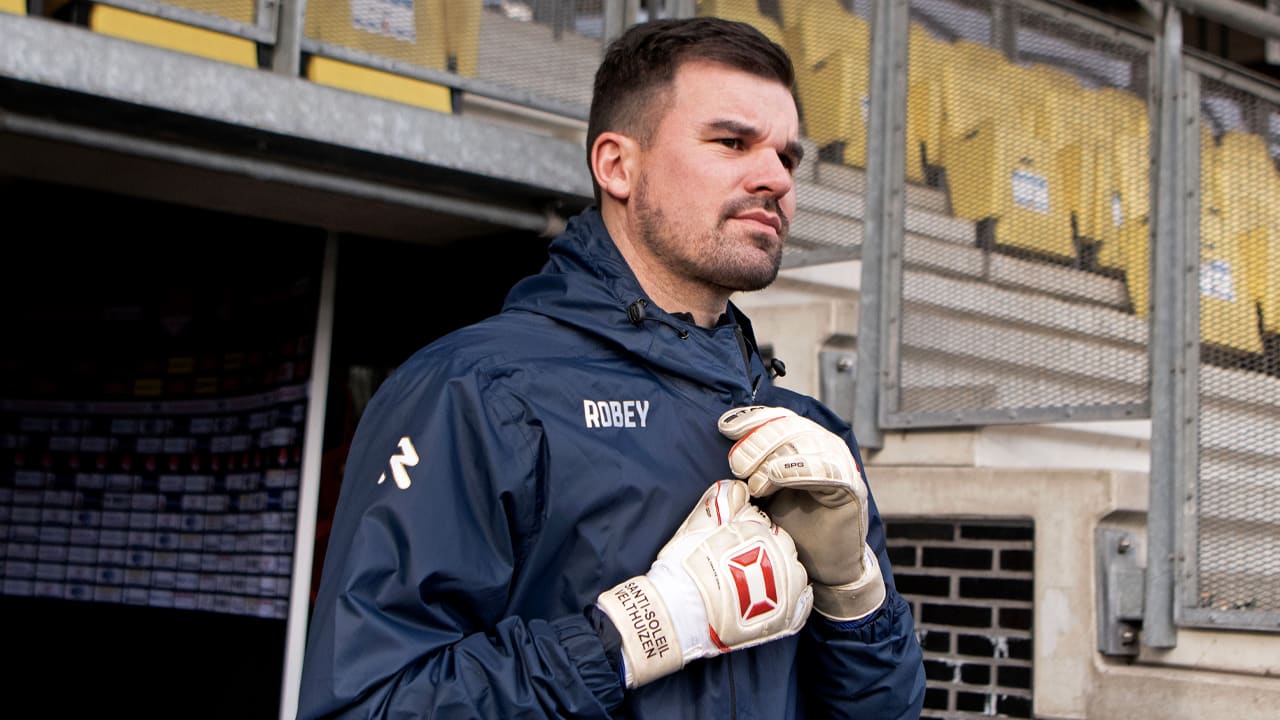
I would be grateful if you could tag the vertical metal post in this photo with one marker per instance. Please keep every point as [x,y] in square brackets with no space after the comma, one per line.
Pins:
[882,224]
[1004,28]
[1185,496]
[286,54]
[309,487]
[618,16]
[682,8]
[1171,310]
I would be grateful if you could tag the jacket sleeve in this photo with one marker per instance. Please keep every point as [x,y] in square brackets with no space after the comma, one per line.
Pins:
[871,669]
[440,491]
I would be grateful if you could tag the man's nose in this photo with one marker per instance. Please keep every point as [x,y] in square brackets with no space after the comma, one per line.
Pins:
[770,175]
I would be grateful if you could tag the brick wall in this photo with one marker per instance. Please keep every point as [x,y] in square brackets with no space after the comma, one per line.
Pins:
[969,583]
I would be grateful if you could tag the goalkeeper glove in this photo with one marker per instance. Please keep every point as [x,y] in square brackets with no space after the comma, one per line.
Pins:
[728,579]
[819,497]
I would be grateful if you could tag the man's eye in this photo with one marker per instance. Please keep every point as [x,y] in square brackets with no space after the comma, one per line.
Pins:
[731,143]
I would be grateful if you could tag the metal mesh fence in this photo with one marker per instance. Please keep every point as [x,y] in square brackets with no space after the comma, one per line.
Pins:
[1019,299]
[1238,504]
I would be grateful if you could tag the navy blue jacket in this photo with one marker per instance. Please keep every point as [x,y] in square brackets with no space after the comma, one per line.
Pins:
[509,472]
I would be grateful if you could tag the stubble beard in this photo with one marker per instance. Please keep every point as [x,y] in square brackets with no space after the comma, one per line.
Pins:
[712,257]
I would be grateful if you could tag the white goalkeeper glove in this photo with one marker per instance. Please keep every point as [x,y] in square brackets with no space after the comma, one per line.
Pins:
[728,579]
[819,498]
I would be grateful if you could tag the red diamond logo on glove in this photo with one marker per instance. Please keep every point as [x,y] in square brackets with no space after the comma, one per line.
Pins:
[753,576]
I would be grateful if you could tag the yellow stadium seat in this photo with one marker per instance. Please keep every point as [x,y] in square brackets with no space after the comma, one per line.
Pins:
[1260,248]
[999,165]
[17,7]
[1132,246]
[412,33]
[378,83]
[462,36]
[1248,190]
[159,32]
[1053,104]
[1106,170]
[1227,318]
[1002,173]
[830,47]
[789,13]
[975,86]
[1245,173]
[747,11]
[926,56]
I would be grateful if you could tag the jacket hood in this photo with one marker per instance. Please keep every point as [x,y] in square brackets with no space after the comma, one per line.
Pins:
[588,285]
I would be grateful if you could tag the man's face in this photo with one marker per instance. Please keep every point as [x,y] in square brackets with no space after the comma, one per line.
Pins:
[716,195]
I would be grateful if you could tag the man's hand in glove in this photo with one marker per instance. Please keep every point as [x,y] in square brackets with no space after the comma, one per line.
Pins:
[729,578]
[820,498]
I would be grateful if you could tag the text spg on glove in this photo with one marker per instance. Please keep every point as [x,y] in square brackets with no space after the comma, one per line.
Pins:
[818,496]
[729,578]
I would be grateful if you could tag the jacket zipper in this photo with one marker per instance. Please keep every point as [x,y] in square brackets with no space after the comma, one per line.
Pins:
[745,347]
[733,692]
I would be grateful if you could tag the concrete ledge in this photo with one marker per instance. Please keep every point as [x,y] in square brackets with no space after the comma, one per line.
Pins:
[1136,691]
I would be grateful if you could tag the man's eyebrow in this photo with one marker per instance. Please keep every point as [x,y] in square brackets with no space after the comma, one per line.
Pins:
[736,127]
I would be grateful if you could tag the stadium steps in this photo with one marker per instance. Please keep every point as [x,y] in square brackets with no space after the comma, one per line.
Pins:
[828,228]
[839,176]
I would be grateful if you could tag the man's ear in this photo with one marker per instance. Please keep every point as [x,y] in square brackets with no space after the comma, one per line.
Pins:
[613,158]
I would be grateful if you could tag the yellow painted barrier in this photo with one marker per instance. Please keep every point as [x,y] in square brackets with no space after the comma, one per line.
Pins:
[378,83]
[172,35]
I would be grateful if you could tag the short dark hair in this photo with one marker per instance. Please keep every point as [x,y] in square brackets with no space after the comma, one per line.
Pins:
[640,65]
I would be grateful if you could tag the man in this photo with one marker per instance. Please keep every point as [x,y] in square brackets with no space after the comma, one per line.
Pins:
[556,512]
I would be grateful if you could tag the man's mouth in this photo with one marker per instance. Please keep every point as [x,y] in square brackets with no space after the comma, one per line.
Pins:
[762,217]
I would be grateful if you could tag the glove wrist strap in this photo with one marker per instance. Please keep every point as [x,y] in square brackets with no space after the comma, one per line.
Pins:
[855,600]
[650,647]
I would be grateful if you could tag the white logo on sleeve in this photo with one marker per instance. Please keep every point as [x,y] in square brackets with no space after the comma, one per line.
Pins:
[615,413]
[408,457]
